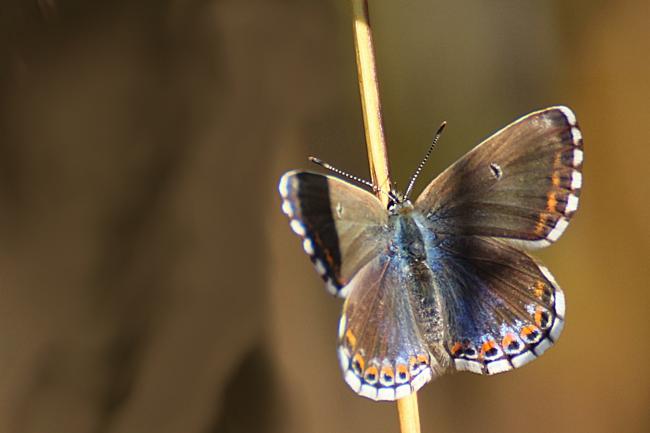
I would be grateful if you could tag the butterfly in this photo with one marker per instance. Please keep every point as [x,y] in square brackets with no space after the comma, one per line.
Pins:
[444,283]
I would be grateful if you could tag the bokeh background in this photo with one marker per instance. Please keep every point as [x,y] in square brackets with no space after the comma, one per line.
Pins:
[148,281]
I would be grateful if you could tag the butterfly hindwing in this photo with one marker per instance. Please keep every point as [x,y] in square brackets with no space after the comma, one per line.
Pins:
[503,309]
[342,226]
[522,183]
[383,330]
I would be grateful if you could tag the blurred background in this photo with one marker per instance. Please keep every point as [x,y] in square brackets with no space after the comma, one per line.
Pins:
[150,283]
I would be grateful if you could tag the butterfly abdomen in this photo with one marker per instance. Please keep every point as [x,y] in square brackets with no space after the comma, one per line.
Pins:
[415,251]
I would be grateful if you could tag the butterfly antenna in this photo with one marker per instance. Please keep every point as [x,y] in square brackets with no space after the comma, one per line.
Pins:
[409,189]
[343,173]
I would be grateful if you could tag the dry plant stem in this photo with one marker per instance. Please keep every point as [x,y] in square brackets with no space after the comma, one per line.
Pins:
[409,416]
[369,89]
[407,407]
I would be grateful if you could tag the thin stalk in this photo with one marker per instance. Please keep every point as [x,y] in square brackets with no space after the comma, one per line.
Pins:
[369,90]
[409,417]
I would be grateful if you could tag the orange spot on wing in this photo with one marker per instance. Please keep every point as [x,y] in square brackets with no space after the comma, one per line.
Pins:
[539,289]
[423,359]
[551,203]
[358,362]
[457,347]
[539,312]
[371,373]
[555,179]
[540,228]
[508,339]
[387,370]
[350,338]
[538,317]
[527,330]
[490,344]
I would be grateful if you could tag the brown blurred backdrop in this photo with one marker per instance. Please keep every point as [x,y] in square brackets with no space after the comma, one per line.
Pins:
[148,281]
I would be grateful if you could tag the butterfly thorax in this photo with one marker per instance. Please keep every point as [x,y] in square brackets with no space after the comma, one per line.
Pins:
[407,241]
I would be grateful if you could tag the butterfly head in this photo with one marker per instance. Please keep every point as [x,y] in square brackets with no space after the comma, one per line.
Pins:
[398,203]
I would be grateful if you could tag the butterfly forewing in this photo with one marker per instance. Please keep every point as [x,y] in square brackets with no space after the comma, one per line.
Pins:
[522,183]
[342,226]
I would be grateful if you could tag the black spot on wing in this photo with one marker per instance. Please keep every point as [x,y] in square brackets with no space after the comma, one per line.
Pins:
[497,172]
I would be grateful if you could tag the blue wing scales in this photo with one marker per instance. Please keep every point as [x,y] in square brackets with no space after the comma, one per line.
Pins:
[502,308]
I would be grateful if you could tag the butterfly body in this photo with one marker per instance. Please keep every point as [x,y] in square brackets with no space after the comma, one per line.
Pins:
[444,283]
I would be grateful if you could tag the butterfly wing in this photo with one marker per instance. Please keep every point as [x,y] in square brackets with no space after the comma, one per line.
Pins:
[502,309]
[342,226]
[521,184]
[382,340]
